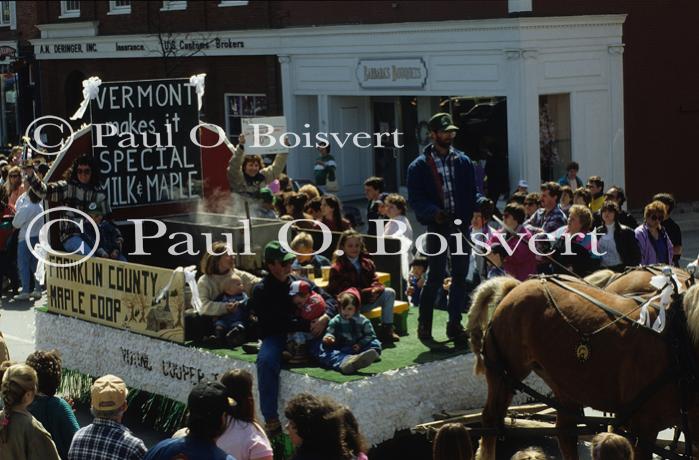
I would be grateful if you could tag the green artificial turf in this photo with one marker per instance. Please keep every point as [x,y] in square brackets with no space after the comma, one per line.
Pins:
[408,352]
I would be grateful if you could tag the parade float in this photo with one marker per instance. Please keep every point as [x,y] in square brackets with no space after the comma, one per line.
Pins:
[130,318]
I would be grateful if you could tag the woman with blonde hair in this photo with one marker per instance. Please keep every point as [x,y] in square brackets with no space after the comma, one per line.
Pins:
[574,249]
[611,446]
[13,188]
[22,437]
[217,266]
[655,245]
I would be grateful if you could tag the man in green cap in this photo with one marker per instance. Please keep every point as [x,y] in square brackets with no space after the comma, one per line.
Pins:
[442,192]
[276,313]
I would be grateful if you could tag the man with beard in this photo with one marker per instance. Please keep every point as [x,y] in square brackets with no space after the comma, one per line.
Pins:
[442,192]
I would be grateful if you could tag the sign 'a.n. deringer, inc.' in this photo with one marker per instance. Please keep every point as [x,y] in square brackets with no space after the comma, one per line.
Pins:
[391,73]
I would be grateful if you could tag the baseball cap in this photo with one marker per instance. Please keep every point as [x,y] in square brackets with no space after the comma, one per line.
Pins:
[523,183]
[96,209]
[108,393]
[442,122]
[209,399]
[275,251]
[299,287]
[266,195]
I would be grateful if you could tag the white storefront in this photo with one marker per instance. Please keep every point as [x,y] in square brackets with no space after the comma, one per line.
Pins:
[519,58]
[333,78]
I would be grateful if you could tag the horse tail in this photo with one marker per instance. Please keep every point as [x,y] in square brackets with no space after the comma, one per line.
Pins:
[487,296]
[600,278]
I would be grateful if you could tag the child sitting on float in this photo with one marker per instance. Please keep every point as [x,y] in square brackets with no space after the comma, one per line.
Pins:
[230,329]
[302,244]
[349,343]
[309,307]
[110,239]
[353,268]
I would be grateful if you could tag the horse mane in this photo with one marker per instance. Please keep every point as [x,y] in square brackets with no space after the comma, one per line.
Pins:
[486,298]
[691,309]
[601,278]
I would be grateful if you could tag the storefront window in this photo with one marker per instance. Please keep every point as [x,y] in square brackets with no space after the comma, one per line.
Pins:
[482,135]
[243,106]
[8,106]
[5,18]
[554,135]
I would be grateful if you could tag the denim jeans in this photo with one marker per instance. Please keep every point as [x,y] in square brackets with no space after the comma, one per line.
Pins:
[332,357]
[385,301]
[269,364]
[436,272]
[73,243]
[26,264]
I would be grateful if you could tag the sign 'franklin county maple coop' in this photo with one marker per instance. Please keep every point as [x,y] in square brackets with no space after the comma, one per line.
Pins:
[141,139]
[118,294]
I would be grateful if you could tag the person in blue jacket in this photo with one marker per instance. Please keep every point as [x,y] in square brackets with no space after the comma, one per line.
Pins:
[442,192]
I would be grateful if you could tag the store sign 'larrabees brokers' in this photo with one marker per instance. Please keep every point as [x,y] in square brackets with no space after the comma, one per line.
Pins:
[392,73]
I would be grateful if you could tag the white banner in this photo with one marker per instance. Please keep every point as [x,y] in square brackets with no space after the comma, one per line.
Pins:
[263,136]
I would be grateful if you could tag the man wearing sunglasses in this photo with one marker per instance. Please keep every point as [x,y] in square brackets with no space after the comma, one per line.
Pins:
[276,313]
[81,190]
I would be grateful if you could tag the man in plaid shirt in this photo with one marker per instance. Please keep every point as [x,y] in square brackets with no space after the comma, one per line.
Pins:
[442,191]
[550,217]
[81,191]
[106,438]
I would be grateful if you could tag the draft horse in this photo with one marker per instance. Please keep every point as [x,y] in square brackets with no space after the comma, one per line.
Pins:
[635,280]
[540,325]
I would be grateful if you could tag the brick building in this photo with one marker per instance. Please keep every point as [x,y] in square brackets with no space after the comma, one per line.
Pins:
[533,83]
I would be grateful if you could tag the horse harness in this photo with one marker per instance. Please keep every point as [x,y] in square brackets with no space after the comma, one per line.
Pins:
[682,369]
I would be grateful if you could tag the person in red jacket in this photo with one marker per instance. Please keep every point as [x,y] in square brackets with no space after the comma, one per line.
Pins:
[522,262]
[353,268]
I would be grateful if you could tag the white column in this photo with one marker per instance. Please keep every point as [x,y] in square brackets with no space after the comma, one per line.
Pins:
[530,113]
[292,164]
[514,116]
[522,117]
[616,101]
[323,113]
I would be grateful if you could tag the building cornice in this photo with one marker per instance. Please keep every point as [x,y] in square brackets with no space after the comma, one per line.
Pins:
[362,38]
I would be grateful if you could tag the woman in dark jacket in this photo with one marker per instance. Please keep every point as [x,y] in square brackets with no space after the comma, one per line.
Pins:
[617,242]
[580,259]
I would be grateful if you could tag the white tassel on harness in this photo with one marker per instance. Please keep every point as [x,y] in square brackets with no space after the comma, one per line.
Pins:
[664,282]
